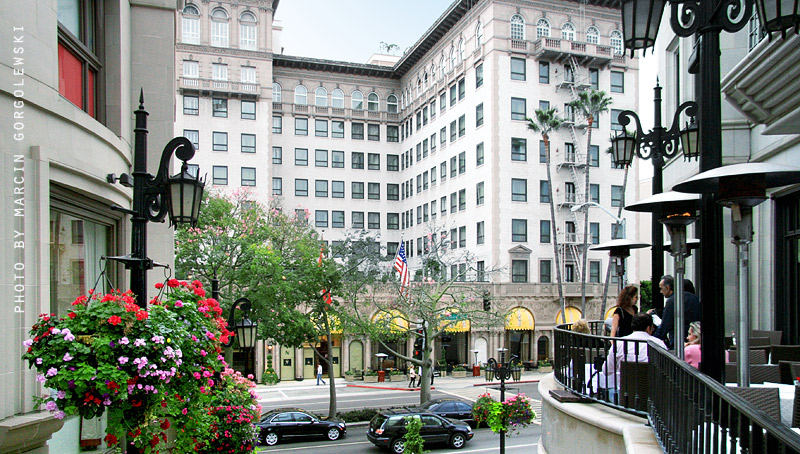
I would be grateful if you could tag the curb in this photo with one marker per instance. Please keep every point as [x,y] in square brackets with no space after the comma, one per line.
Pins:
[386,387]
[507,383]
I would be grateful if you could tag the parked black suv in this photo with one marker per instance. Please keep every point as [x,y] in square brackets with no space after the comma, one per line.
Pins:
[451,408]
[387,428]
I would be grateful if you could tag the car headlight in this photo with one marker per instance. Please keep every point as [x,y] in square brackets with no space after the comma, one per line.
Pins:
[341,425]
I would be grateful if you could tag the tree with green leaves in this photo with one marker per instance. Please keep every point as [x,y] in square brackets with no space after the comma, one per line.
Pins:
[545,122]
[590,103]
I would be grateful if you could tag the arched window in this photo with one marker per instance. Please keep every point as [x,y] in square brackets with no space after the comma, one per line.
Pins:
[372,102]
[479,34]
[321,97]
[517,27]
[568,32]
[276,92]
[433,72]
[543,28]
[219,28]
[300,95]
[391,104]
[190,25]
[592,35]
[337,98]
[442,67]
[616,42]
[419,86]
[247,31]
[425,81]
[452,58]
[461,50]
[357,100]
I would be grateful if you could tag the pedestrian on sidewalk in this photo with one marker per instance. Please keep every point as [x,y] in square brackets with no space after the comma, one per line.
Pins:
[413,376]
[319,374]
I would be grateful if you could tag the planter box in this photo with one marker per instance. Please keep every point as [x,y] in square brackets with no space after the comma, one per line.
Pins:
[370,379]
[459,374]
[545,369]
[349,377]
[398,377]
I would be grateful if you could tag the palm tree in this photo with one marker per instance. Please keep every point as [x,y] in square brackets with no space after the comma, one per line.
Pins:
[546,121]
[590,103]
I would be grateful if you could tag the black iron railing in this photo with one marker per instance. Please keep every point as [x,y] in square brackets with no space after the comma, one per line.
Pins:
[689,412]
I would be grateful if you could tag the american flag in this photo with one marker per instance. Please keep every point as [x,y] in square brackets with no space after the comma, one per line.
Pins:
[401,265]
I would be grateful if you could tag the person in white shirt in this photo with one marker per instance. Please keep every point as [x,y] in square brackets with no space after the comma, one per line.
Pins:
[624,349]
[319,374]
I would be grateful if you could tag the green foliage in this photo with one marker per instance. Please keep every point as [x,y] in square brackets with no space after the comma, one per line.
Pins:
[362,414]
[414,441]
[370,373]
[591,103]
[545,363]
[645,295]
[458,369]
[510,415]
[482,408]
[396,372]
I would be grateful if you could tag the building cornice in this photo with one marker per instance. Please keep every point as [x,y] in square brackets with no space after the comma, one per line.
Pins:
[332,66]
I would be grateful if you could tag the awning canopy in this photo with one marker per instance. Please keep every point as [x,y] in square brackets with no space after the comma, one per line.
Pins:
[455,322]
[609,312]
[520,319]
[573,314]
[394,319]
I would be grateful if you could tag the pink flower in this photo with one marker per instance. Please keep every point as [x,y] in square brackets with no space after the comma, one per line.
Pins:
[203,353]
[184,411]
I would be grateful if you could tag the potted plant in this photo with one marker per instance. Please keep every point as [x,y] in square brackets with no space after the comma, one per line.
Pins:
[459,372]
[510,415]
[482,407]
[545,366]
[269,377]
[350,374]
[397,375]
[370,376]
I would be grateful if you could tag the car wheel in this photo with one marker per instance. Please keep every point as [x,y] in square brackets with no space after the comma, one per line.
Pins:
[271,439]
[457,441]
[333,434]
[398,446]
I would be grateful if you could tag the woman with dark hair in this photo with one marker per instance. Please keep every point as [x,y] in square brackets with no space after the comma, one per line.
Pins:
[623,314]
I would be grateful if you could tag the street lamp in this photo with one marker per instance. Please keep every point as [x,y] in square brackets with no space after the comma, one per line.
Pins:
[155,197]
[245,330]
[619,250]
[741,187]
[778,15]
[657,144]
[502,372]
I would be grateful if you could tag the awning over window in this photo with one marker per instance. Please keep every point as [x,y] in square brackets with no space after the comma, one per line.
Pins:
[573,315]
[455,323]
[609,312]
[520,319]
[394,319]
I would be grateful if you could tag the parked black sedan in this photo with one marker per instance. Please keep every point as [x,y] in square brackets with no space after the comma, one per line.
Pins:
[288,423]
[451,408]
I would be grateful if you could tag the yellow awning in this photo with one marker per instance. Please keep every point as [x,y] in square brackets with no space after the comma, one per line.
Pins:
[609,312]
[520,319]
[394,319]
[455,322]
[573,315]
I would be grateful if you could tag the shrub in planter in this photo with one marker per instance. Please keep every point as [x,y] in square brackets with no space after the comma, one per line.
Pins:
[370,376]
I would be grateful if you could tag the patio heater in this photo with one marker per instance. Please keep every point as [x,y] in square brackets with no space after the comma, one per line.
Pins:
[741,187]
[677,211]
[619,250]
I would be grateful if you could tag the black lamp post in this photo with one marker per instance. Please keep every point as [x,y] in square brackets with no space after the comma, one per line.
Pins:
[656,145]
[245,330]
[501,371]
[154,197]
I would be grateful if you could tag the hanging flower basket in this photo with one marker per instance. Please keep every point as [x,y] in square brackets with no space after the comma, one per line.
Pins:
[510,415]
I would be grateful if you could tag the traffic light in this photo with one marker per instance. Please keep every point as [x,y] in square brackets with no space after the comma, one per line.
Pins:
[487,302]
[418,345]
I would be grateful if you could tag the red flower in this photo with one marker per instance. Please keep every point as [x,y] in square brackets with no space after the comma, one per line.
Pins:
[159,285]
[114,320]
[79,301]
[141,315]
[131,307]
[197,283]
[111,439]
[172,283]
[165,424]
[71,315]
[199,292]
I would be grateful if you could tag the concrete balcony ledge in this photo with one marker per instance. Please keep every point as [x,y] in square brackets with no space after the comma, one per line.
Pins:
[27,432]
[590,428]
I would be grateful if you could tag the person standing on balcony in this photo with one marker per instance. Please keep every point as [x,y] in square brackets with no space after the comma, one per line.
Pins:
[691,310]
[623,314]
[631,348]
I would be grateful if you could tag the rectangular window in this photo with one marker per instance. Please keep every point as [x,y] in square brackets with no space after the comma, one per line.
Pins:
[392,162]
[321,218]
[594,78]
[519,190]
[321,158]
[191,69]
[392,221]
[373,161]
[248,143]
[357,191]
[594,272]
[462,88]
[544,72]
[424,115]
[373,220]
[443,136]
[594,193]
[479,193]
[191,105]
[544,231]
[615,126]
[337,159]
[321,188]
[479,115]
[462,125]
[479,154]
[79,64]
[300,157]
[337,129]
[479,75]
[443,205]
[425,181]
[453,169]
[373,132]
[337,189]
[542,152]
[321,128]
[301,187]
[517,68]
[337,219]
[193,136]
[301,126]
[462,237]
[453,131]
[518,109]
[443,171]
[219,107]
[392,133]
[277,155]
[616,196]
[357,131]
[374,191]
[392,191]
[277,124]
[277,186]
[433,176]
[248,110]
[519,230]
[545,275]
[519,271]
[248,176]
[453,239]
[480,271]
[462,162]
[220,142]
[219,72]
[358,219]
[544,105]
[453,202]
[617,82]
[594,232]
[544,191]
[594,155]
[357,160]
[519,149]
[220,174]
[481,235]
[453,95]
[433,143]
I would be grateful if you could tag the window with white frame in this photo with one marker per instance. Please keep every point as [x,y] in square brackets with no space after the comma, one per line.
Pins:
[442,67]
[357,100]
[191,69]
[568,32]
[194,136]
[461,50]
[301,95]
[337,98]
[219,175]
[616,42]
[391,104]
[452,58]
[372,102]
[248,176]
[247,31]
[321,97]
[248,74]
[219,28]
[276,92]
[479,34]
[219,71]
[190,25]
[517,27]
[592,35]
[543,28]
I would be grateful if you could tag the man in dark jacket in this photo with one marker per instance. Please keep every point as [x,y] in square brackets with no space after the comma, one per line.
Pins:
[691,311]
